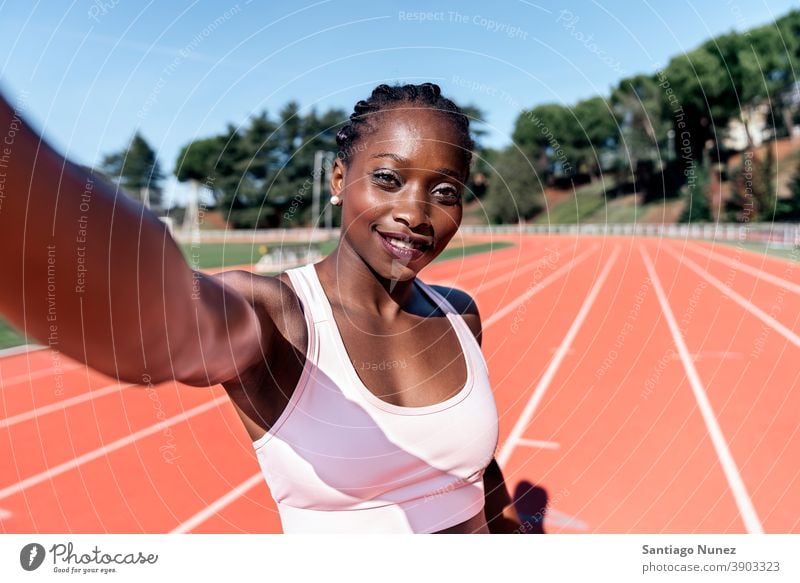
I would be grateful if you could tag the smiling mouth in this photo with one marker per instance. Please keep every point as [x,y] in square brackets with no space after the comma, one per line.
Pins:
[403,248]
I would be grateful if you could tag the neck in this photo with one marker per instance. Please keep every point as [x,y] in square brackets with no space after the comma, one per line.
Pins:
[350,278]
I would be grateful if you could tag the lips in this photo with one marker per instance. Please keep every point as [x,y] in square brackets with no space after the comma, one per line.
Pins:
[404,247]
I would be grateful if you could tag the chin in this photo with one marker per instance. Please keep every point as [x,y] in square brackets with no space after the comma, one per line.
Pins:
[396,271]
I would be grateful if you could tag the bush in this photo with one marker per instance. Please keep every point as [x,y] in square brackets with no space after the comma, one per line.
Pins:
[697,208]
[514,190]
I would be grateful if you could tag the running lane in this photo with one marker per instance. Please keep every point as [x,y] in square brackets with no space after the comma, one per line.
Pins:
[616,441]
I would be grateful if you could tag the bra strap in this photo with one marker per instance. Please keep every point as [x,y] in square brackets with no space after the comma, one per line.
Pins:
[437,298]
[308,291]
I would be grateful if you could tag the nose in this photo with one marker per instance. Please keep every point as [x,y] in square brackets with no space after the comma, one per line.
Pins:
[413,209]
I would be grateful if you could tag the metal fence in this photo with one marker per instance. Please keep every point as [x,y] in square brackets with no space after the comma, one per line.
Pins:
[777,234]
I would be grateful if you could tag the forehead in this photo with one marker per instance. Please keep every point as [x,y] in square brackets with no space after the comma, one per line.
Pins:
[420,134]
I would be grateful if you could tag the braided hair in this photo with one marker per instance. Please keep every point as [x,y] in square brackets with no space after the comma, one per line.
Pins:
[386,97]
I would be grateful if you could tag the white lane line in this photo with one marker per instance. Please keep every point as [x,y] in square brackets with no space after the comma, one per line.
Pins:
[735,482]
[561,519]
[487,285]
[537,443]
[550,373]
[756,311]
[741,266]
[44,410]
[713,355]
[108,448]
[240,490]
[499,314]
[483,269]
[39,373]
[219,504]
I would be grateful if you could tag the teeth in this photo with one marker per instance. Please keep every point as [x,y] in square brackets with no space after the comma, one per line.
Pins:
[402,244]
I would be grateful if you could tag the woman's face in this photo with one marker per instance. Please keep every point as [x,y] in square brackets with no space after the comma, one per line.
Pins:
[403,181]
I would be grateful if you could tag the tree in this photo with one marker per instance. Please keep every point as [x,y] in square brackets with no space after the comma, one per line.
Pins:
[137,171]
[477,124]
[698,79]
[515,191]
[197,164]
[197,161]
[264,167]
[768,187]
[296,142]
[742,207]
[643,119]
[598,131]
[544,133]
[788,209]
[481,156]
[753,189]
[697,209]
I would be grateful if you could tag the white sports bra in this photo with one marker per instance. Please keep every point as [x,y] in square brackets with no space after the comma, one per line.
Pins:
[341,460]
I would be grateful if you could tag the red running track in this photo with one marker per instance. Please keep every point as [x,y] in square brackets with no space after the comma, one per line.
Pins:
[644,385]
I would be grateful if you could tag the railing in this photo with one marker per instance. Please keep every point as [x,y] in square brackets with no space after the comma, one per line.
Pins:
[777,234]
[298,235]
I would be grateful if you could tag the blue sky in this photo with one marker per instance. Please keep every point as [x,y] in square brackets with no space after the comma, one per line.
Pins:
[91,72]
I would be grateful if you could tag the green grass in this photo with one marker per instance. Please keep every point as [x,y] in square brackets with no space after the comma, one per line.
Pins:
[620,211]
[587,205]
[229,254]
[453,252]
[327,247]
[582,204]
[624,211]
[207,255]
[449,253]
[9,336]
[765,249]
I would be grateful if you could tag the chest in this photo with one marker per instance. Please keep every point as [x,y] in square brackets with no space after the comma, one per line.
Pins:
[415,362]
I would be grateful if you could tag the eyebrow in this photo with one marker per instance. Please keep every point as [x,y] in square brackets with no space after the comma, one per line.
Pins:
[451,173]
[401,160]
[395,157]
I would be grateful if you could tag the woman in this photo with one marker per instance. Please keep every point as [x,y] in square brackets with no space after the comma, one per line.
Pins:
[348,439]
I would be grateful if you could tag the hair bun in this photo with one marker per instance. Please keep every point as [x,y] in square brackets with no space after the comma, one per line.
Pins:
[383,88]
[361,108]
[385,97]
[434,88]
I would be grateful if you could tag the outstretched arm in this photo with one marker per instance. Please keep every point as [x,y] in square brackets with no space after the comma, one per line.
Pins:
[97,276]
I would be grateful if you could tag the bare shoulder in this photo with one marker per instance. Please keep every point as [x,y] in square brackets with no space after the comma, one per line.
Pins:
[263,291]
[272,297]
[464,305]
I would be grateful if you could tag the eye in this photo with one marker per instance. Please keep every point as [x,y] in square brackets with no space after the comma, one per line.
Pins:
[385,178]
[448,193]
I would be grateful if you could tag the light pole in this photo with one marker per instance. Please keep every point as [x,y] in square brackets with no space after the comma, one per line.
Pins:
[317,188]
[323,164]
[328,206]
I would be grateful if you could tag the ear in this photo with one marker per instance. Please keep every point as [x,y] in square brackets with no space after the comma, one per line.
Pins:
[337,177]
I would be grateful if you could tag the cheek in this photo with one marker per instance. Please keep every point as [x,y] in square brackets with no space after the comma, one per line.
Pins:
[448,218]
[362,206]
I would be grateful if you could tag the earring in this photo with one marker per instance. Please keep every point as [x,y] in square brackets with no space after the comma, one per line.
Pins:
[335,200]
